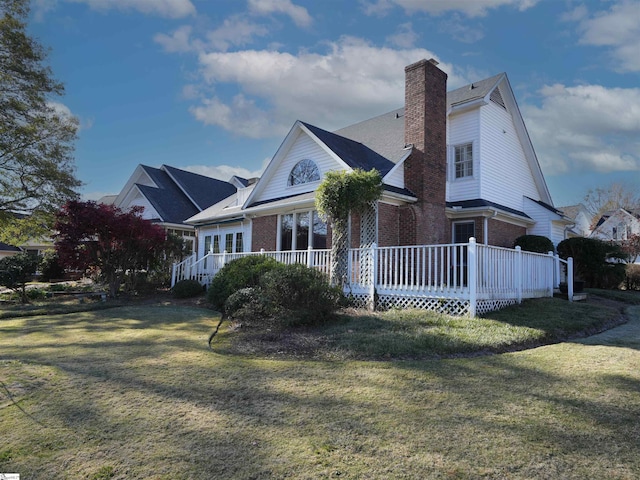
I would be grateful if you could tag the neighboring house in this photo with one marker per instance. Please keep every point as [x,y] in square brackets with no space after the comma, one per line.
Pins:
[170,195]
[454,165]
[8,250]
[580,217]
[617,225]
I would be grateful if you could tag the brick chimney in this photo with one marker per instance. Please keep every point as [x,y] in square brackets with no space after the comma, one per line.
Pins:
[425,127]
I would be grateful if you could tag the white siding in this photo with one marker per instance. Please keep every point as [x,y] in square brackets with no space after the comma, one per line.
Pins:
[140,201]
[505,176]
[396,179]
[557,232]
[545,224]
[463,128]
[303,147]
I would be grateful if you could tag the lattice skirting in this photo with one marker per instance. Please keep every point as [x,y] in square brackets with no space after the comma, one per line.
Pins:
[449,306]
[484,306]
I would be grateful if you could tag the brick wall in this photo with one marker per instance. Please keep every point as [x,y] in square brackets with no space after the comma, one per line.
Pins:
[501,234]
[425,169]
[264,233]
[504,234]
[388,225]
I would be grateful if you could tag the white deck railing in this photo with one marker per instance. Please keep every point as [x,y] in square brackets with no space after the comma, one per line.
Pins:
[462,278]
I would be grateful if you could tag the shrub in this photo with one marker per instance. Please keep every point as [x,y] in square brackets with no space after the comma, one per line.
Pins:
[50,266]
[301,294]
[16,271]
[632,277]
[187,289]
[600,264]
[534,243]
[241,273]
[246,302]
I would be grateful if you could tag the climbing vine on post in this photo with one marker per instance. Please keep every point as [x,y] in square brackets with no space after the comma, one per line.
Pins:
[338,195]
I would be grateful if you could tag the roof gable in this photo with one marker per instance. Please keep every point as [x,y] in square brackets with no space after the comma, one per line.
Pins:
[173,194]
[202,191]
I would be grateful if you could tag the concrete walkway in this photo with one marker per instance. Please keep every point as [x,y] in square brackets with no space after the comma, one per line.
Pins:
[627,335]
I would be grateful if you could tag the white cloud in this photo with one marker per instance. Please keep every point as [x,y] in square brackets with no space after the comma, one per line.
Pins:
[352,81]
[225,172]
[299,15]
[179,41]
[471,8]
[617,28]
[462,32]
[586,128]
[406,37]
[163,8]
[235,31]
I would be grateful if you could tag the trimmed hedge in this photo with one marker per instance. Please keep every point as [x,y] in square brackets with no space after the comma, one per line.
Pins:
[534,243]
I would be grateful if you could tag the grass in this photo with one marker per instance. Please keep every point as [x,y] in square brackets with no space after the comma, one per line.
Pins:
[416,334]
[134,392]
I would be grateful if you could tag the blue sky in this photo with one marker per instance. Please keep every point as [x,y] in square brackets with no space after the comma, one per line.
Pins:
[213,86]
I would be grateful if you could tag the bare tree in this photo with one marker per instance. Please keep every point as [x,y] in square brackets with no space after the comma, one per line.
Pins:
[617,195]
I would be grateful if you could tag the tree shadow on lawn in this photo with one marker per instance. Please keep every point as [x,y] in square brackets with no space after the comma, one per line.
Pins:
[153,400]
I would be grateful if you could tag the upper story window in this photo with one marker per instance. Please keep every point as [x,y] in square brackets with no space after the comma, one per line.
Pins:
[464,160]
[305,171]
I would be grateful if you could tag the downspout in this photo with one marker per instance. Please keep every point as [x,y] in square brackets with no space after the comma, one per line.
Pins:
[486,226]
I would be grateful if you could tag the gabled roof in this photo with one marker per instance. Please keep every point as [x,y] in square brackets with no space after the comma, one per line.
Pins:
[473,91]
[8,248]
[354,154]
[551,208]
[176,194]
[383,134]
[201,190]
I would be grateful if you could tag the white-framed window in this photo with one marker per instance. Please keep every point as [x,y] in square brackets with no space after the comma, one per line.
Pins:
[463,231]
[463,160]
[305,171]
[301,230]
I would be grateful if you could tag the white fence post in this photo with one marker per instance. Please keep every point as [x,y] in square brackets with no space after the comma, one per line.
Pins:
[173,275]
[472,273]
[519,273]
[551,275]
[373,270]
[310,257]
[570,278]
[557,268]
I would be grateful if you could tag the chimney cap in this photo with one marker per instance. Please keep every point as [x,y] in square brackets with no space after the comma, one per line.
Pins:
[433,61]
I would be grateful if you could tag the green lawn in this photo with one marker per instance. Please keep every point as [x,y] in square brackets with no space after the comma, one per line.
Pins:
[134,392]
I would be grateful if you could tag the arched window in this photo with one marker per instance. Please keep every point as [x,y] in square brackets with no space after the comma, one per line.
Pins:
[305,171]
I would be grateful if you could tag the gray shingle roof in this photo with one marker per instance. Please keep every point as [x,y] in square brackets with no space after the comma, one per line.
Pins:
[169,198]
[384,134]
[354,154]
[204,191]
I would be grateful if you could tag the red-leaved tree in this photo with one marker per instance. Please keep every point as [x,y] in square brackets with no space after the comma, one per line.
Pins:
[631,247]
[105,238]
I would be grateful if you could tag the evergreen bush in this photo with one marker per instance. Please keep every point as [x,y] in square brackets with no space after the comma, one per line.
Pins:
[50,266]
[534,243]
[600,264]
[300,294]
[187,289]
[238,274]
